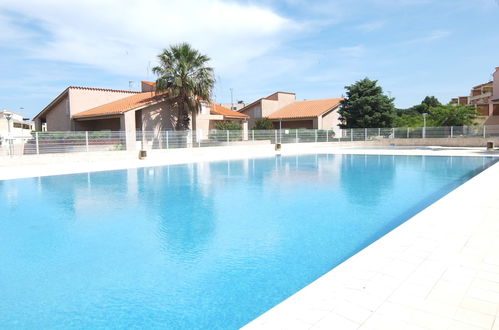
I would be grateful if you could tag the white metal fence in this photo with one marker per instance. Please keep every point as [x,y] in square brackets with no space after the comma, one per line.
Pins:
[67,142]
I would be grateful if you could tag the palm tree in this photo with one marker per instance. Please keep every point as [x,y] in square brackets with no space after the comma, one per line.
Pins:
[185,77]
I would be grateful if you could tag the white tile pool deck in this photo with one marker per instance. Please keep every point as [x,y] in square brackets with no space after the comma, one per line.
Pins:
[438,270]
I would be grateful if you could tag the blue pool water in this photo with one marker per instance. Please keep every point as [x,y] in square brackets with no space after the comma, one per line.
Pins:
[199,246]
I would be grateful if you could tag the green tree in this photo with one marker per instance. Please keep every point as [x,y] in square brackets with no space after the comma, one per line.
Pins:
[184,75]
[431,101]
[227,125]
[366,106]
[263,123]
[452,115]
[408,120]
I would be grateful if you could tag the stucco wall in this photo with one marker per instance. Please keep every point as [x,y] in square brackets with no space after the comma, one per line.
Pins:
[280,100]
[331,120]
[3,125]
[158,117]
[85,99]
[495,91]
[58,118]
[254,112]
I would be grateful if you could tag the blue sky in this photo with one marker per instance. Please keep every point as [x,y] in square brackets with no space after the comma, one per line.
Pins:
[313,48]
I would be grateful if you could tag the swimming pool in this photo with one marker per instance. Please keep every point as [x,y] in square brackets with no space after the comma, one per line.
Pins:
[208,245]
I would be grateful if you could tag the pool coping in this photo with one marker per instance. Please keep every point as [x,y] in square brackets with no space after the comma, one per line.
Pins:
[421,275]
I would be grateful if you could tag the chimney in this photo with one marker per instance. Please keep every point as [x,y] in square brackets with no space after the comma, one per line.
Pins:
[148,86]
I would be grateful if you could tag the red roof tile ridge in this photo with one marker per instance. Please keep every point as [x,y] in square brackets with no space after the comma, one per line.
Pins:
[104,89]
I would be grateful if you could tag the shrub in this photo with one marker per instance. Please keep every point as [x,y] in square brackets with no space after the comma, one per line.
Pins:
[228,125]
[263,123]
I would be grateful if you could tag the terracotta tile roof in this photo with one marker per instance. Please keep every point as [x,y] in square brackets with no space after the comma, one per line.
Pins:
[219,110]
[138,100]
[306,109]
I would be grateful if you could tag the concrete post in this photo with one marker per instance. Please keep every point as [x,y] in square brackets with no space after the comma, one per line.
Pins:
[407,132]
[296,133]
[315,131]
[253,134]
[86,140]
[127,125]
[37,144]
[228,136]
[327,135]
[484,134]
[167,142]
[451,132]
[365,134]
[351,134]
[245,131]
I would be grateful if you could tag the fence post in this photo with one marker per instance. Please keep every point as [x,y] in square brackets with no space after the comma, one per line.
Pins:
[86,140]
[275,131]
[379,131]
[407,132]
[228,136]
[327,135]
[167,142]
[351,134]
[484,131]
[393,132]
[365,134]
[315,132]
[451,132]
[296,133]
[37,144]
[253,134]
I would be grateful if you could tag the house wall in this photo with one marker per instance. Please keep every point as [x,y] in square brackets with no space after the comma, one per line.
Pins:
[463,100]
[275,102]
[495,110]
[483,109]
[268,106]
[85,99]
[330,120]
[254,112]
[495,84]
[3,125]
[158,117]
[58,118]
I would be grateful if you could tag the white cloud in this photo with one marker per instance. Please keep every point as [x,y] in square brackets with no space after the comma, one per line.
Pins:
[123,36]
